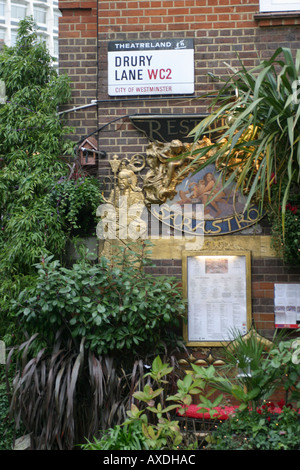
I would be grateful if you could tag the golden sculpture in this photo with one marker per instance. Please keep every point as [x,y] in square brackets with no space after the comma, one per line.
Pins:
[126,188]
[121,213]
[169,163]
[172,183]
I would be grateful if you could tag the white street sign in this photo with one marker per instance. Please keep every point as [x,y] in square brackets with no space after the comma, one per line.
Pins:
[151,67]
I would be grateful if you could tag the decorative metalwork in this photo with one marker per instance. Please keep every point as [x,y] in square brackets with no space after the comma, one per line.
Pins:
[206,360]
[121,212]
[189,200]
[169,163]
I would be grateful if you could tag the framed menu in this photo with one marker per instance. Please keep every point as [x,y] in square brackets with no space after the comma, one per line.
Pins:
[218,292]
[287,305]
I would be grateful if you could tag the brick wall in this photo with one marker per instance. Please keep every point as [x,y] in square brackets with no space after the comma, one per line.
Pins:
[223,31]
[265,272]
[78,58]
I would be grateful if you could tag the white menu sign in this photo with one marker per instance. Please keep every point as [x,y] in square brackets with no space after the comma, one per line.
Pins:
[217,298]
[287,305]
[151,67]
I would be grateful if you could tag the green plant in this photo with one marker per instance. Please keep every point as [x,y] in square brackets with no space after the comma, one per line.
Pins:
[283,365]
[6,424]
[163,432]
[260,429]
[243,376]
[62,395]
[10,289]
[255,121]
[120,437]
[286,243]
[255,369]
[88,326]
[42,201]
[29,120]
[76,199]
[160,429]
[115,307]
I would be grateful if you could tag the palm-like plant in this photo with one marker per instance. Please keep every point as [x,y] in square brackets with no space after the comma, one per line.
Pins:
[256,124]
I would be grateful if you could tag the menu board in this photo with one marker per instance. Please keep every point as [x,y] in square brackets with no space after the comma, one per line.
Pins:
[287,305]
[218,296]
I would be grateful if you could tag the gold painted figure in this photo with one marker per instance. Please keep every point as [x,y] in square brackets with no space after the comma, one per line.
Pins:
[121,215]
[169,164]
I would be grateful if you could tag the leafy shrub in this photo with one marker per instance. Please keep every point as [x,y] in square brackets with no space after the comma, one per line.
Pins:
[62,395]
[263,368]
[159,426]
[42,202]
[127,437]
[114,306]
[29,120]
[76,200]
[259,430]
[283,365]
[6,429]
[7,425]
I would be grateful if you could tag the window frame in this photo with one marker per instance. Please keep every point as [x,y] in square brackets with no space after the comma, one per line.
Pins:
[37,10]
[276,6]
[23,6]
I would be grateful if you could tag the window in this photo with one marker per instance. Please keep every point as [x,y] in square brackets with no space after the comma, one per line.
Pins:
[42,38]
[279,5]
[40,15]
[18,11]
[13,38]
[57,14]
[2,8]
[55,44]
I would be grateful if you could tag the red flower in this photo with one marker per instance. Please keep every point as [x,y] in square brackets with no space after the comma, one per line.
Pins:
[270,405]
[291,208]
[281,404]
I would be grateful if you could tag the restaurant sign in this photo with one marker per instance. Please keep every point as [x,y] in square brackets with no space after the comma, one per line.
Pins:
[201,206]
[151,67]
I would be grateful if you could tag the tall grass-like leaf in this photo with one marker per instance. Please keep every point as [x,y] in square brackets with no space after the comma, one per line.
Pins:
[265,98]
[63,396]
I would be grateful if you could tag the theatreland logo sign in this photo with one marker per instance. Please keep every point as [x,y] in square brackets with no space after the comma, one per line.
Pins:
[151,67]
